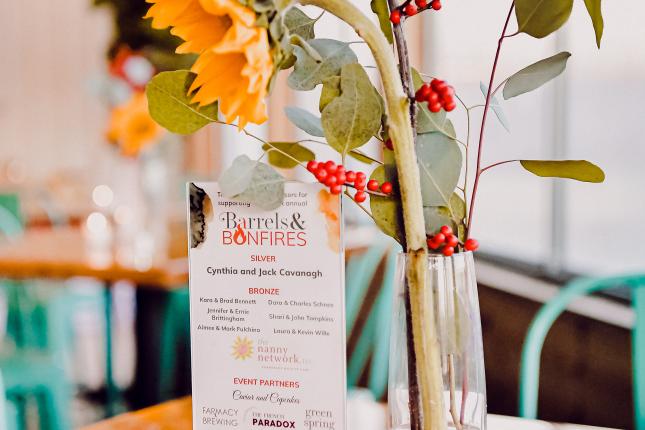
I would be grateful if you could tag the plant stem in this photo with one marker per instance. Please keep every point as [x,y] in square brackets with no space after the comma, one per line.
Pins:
[408,88]
[484,117]
[404,67]
[453,401]
[499,163]
[426,344]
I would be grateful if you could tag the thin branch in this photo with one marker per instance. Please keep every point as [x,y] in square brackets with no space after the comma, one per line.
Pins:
[485,116]
[359,205]
[497,164]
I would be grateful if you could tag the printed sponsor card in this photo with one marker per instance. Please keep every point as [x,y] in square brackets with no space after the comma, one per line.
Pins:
[267,311]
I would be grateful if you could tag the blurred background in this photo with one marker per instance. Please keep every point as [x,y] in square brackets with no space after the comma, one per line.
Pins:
[92,205]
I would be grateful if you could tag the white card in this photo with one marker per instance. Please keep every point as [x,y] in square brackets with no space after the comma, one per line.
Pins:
[267,311]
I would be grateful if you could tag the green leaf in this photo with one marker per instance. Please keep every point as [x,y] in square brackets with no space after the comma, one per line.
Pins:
[440,161]
[305,121]
[536,75]
[308,72]
[452,215]
[254,182]
[595,12]
[351,119]
[580,170]
[387,211]
[539,18]
[382,11]
[363,158]
[170,104]
[266,189]
[496,107]
[237,178]
[297,22]
[277,151]
[428,122]
[330,90]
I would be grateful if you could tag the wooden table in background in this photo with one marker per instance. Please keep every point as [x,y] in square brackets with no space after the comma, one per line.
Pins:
[63,253]
[176,415]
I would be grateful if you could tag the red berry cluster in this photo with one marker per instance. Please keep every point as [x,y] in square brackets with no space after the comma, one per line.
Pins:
[335,177]
[438,94]
[410,8]
[447,241]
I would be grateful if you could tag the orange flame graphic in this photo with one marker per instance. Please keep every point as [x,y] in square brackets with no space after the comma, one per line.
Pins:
[239,237]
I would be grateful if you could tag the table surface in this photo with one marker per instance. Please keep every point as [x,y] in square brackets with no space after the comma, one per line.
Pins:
[176,415]
[59,253]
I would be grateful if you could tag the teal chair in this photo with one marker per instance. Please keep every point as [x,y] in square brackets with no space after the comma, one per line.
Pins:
[530,364]
[368,315]
[38,330]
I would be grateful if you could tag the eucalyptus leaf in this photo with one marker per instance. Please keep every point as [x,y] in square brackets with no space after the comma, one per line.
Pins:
[539,18]
[536,75]
[237,178]
[496,107]
[277,151]
[382,11]
[595,12]
[362,157]
[351,119]
[305,121]
[440,161]
[266,189]
[308,72]
[453,215]
[170,104]
[297,22]
[580,170]
[387,211]
[330,90]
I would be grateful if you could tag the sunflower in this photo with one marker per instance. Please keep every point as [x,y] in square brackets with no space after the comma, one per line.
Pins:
[234,65]
[131,127]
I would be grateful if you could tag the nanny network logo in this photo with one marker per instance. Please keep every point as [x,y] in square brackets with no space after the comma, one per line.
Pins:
[242,348]
[274,230]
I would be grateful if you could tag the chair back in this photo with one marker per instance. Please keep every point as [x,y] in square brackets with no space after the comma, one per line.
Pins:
[11,222]
[532,349]
[369,293]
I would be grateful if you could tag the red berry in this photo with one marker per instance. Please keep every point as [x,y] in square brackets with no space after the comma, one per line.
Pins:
[439,238]
[331,180]
[360,176]
[423,93]
[389,144]
[434,107]
[360,196]
[436,5]
[341,177]
[336,189]
[452,240]
[448,251]
[432,244]
[386,187]
[471,245]
[321,174]
[312,166]
[433,98]
[395,17]
[448,91]
[340,169]
[350,176]
[410,10]
[331,167]
[372,185]
[450,106]
[446,230]
[435,83]
[360,184]
[422,4]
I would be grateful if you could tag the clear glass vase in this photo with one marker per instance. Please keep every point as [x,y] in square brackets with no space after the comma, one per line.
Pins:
[458,329]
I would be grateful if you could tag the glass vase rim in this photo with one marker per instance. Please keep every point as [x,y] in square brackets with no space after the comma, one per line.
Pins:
[434,256]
